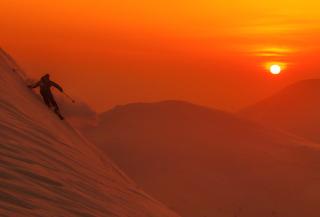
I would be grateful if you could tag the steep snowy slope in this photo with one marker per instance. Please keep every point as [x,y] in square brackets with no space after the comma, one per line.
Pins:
[48,170]
[205,162]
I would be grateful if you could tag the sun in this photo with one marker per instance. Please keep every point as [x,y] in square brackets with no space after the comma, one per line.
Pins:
[275,69]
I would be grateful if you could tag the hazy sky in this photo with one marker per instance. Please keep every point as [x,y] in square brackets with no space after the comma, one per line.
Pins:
[213,53]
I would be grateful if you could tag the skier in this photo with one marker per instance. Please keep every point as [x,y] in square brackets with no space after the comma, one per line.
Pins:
[45,85]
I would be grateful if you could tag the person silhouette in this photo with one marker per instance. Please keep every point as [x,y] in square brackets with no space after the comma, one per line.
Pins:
[45,85]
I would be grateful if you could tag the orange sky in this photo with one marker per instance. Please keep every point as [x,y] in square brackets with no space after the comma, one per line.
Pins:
[208,52]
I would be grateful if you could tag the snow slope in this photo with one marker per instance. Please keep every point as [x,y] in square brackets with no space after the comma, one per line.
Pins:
[48,170]
[203,162]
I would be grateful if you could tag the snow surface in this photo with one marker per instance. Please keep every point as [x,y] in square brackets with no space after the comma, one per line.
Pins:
[49,170]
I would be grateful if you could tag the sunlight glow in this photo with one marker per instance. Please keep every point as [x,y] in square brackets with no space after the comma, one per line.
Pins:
[275,69]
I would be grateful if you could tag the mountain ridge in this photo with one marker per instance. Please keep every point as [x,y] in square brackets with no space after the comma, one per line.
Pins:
[213,163]
[293,109]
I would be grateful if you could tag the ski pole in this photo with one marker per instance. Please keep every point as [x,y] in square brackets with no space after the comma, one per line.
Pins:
[72,100]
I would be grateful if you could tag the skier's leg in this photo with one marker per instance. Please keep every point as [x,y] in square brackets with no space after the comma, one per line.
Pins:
[56,107]
[46,99]
[52,102]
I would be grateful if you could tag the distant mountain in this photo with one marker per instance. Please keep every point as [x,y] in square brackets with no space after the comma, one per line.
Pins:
[295,109]
[204,162]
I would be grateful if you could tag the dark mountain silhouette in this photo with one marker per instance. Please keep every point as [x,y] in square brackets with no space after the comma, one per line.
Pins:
[295,109]
[204,162]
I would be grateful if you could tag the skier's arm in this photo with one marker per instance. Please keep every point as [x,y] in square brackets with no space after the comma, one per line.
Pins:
[56,86]
[34,85]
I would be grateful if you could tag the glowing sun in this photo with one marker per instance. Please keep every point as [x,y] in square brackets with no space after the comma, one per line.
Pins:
[275,69]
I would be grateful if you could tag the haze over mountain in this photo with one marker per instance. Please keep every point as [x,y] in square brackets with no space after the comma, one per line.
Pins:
[295,109]
[205,162]
[78,114]
[47,169]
